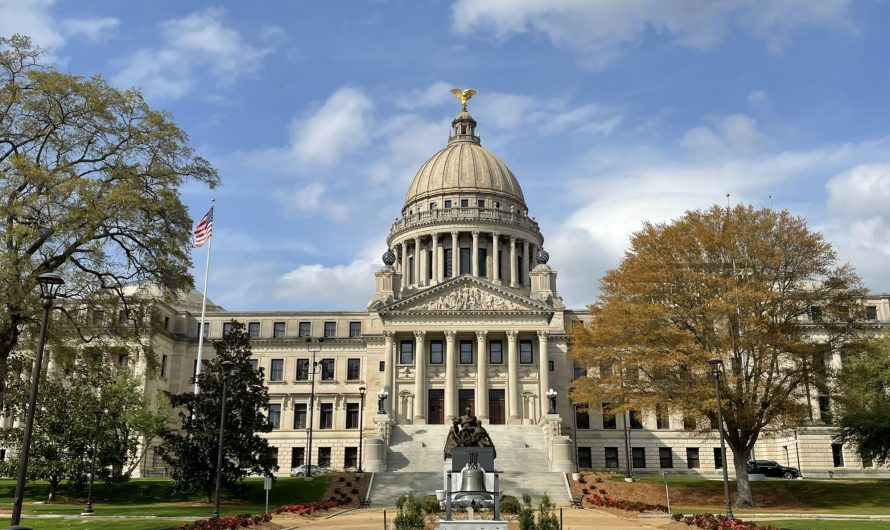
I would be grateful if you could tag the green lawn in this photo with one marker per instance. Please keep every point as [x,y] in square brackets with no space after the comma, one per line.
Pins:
[821,524]
[120,524]
[155,497]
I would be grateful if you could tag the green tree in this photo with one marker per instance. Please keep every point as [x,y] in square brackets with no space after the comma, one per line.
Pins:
[90,178]
[738,284]
[863,402]
[191,450]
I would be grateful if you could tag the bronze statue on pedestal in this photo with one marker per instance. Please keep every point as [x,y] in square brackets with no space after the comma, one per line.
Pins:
[467,431]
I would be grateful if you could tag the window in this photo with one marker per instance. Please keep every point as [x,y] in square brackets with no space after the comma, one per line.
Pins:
[273,456]
[525,352]
[98,316]
[206,329]
[665,458]
[816,313]
[254,364]
[636,419]
[327,369]
[447,204]
[871,312]
[611,454]
[325,416]
[480,203]
[302,369]
[578,370]
[350,456]
[352,415]
[276,373]
[824,409]
[163,366]
[436,355]
[465,203]
[584,459]
[718,458]
[582,417]
[406,352]
[297,456]
[662,418]
[411,270]
[382,366]
[689,423]
[465,261]
[123,360]
[355,329]
[466,352]
[447,263]
[497,205]
[194,370]
[432,206]
[692,461]
[275,415]
[330,329]
[227,328]
[278,330]
[305,329]
[551,366]
[300,412]
[495,352]
[353,369]
[324,457]
[483,259]
[606,369]
[837,454]
[638,455]
[253,329]
[608,418]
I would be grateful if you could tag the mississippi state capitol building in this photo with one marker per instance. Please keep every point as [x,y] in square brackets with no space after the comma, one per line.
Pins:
[466,312]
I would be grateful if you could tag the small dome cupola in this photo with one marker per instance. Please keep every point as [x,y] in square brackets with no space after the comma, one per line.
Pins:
[463,127]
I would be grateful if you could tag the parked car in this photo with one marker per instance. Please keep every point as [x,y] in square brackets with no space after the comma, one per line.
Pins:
[771,468]
[300,471]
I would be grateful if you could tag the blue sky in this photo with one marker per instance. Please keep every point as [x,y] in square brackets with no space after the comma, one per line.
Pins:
[609,112]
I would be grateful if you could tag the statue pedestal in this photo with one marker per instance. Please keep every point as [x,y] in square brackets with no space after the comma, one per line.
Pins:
[472,525]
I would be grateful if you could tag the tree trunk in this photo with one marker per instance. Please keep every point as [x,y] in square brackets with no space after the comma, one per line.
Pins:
[744,497]
[53,486]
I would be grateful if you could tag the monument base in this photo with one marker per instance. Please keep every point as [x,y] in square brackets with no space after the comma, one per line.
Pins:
[472,525]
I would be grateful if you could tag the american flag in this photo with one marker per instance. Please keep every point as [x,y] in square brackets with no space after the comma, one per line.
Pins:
[204,229]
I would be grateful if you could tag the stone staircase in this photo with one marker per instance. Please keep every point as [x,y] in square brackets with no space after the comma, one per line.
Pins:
[414,463]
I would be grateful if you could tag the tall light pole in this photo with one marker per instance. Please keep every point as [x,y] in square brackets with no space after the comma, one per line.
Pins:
[50,283]
[314,347]
[361,425]
[225,368]
[629,473]
[716,367]
[89,508]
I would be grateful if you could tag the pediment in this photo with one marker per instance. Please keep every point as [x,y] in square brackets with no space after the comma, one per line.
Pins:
[466,294]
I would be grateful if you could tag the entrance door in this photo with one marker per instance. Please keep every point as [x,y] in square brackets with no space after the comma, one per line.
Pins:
[436,410]
[496,407]
[466,398]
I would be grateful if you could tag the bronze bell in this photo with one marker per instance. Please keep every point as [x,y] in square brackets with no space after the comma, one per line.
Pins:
[472,487]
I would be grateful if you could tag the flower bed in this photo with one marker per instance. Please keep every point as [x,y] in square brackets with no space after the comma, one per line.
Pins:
[709,521]
[307,508]
[600,498]
[227,522]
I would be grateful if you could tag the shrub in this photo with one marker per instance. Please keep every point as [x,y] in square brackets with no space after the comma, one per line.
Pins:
[308,508]
[510,504]
[430,504]
[526,514]
[547,520]
[709,521]
[410,514]
[602,499]
[227,522]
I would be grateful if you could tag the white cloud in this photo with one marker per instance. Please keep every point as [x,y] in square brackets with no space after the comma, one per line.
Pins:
[420,98]
[191,45]
[314,198]
[758,98]
[602,30]
[331,287]
[91,28]
[34,19]
[736,133]
[338,127]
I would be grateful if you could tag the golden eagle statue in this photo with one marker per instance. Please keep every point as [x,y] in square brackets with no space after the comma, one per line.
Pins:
[464,96]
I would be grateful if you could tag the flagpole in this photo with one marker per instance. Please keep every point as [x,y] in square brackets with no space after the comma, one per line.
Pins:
[204,304]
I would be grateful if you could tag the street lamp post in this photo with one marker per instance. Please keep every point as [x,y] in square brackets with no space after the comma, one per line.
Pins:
[629,472]
[226,367]
[314,347]
[716,367]
[361,425]
[381,397]
[551,395]
[50,283]
[89,508]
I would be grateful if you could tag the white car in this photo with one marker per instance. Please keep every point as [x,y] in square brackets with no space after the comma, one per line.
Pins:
[300,471]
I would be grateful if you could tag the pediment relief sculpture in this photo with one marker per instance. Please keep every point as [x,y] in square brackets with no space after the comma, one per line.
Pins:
[467,298]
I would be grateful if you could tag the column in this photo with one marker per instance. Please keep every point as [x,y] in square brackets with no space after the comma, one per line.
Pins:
[455,256]
[495,256]
[435,264]
[450,377]
[421,280]
[524,280]
[440,264]
[512,378]
[404,263]
[481,375]
[394,360]
[419,377]
[388,371]
[512,261]
[475,256]
[416,261]
[543,372]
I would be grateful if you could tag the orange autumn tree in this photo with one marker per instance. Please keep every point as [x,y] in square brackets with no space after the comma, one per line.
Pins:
[739,284]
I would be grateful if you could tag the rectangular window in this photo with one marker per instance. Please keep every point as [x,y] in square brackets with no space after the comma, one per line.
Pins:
[665,458]
[353,369]
[636,419]
[297,456]
[302,369]
[275,415]
[465,261]
[662,418]
[837,454]
[254,364]
[278,330]
[582,417]
[411,270]
[578,370]
[525,352]
[611,454]
[276,372]
[327,369]
[436,355]
[273,456]
[718,458]
[355,329]
[330,329]
[194,370]
[466,352]
[638,455]
[495,352]
[825,409]
[692,461]
[253,330]
[447,204]
[324,457]
[352,415]
[206,329]
[432,206]
[689,423]
[300,412]
[305,329]
[350,457]
[406,352]
[608,418]
[98,316]
[480,203]
[483,259]
[227,328]
[871,312]
[816,313]
[584,459]
[163,366]
[448,261]
[326,416]
[465,203]
[551,366]
[382,367]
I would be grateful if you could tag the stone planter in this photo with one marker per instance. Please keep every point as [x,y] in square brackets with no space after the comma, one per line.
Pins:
[440,495]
